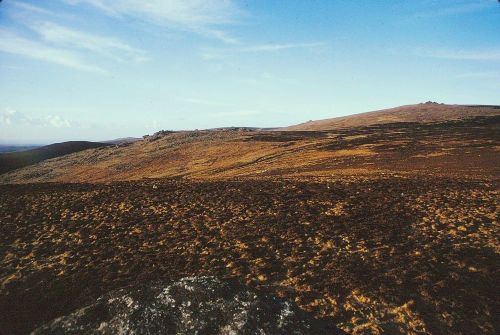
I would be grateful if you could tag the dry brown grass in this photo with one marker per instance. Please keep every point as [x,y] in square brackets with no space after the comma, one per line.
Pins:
[421,113]
[465,148]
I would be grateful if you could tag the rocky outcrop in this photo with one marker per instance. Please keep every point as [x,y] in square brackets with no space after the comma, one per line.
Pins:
[195,305]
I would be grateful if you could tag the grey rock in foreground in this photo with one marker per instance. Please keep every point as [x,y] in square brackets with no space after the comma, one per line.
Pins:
[195,305]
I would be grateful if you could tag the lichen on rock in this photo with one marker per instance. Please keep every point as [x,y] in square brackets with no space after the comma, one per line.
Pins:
[193,305]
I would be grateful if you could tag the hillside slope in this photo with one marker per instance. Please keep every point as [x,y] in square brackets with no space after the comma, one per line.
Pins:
[421,113]
[466,147]
[15,160]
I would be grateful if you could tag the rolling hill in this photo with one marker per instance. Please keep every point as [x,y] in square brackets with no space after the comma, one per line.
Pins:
[421,113]
[456,140]
[15,160]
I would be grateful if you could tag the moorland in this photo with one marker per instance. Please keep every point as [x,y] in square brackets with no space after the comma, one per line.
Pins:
[388,226]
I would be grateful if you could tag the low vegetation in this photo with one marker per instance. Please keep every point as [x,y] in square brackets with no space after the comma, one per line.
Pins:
[392,255]
[384,229]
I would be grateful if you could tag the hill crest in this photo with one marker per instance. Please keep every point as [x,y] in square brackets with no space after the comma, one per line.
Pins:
[421,113]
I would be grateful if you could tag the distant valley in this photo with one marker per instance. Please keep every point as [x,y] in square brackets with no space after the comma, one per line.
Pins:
[14,148]
[20,158]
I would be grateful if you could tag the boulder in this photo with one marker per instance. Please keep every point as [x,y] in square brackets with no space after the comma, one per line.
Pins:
[193,305]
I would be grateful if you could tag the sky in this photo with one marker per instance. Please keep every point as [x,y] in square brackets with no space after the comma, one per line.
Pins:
[104,69]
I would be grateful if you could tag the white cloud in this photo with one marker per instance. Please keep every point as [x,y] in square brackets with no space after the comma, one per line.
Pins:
[11,42]
[57,121]
[11,117]
[197,16]
[106,46]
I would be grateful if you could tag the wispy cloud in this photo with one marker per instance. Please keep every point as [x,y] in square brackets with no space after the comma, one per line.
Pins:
[198,16]
[278,47]
[30,8]
[470,6]
[480,75]
[27,12]
[460,54]
[10,117]
[220,35]
[217,53]
[13,43]
[455,7]
[105,46]
[61,45]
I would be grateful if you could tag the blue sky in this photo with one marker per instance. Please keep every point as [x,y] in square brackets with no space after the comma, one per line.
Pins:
[97,69]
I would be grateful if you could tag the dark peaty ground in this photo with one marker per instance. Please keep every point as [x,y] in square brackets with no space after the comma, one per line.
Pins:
[393,255]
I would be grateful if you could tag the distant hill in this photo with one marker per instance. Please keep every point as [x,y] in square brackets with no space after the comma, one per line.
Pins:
[122,140]
[14,160]
[13,148]
[421,113]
